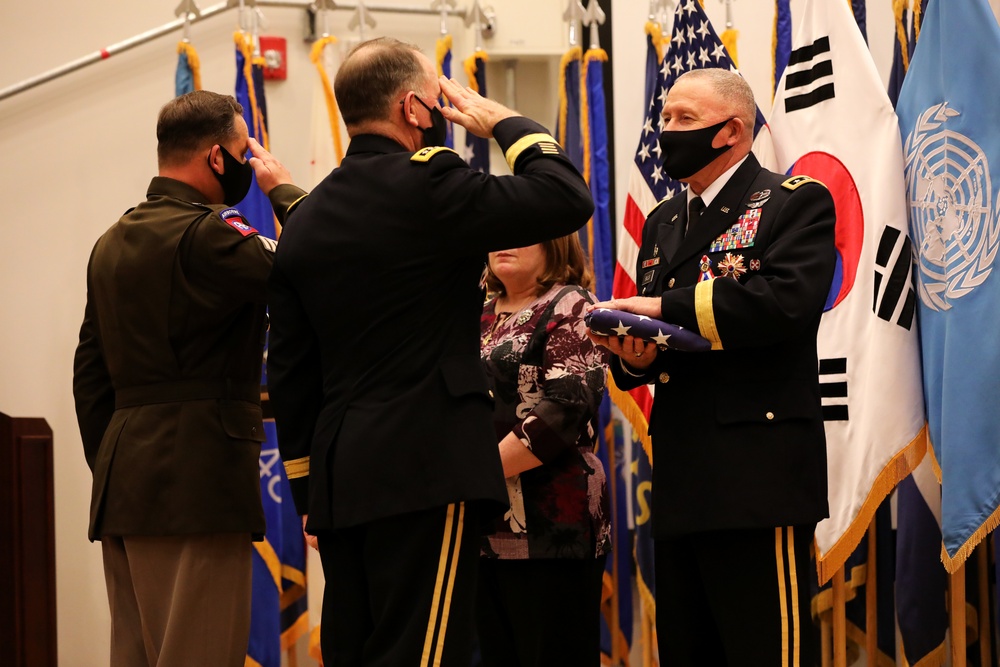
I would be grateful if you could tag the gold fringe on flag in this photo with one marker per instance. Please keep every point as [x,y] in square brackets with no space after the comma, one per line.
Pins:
[315,652]
[316,56]
[194,62]
[471,69]
[592,55]
[896,470]
[917,20]
[575,53]
[441,49]
[729,38]
[245,45]
[954,563]
[646,596]
[898,7]
[774,51]
[655,32]
[631,411]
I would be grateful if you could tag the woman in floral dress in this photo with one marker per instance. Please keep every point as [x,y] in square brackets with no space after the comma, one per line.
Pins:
[543,562]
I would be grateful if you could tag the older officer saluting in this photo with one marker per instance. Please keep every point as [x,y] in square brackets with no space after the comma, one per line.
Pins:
[383,410]
[745,257]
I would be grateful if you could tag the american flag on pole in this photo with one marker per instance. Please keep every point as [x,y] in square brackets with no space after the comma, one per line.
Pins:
[693,44]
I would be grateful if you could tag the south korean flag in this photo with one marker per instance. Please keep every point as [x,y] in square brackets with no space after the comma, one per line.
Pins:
[833,121]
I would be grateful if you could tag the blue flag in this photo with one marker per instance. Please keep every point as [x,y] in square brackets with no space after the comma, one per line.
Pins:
[921,582]
[860,16]
[279,614]
[597,233]
[948,115]
[568,132]
[188,75]
[477,149]
[443,52]
[782,39]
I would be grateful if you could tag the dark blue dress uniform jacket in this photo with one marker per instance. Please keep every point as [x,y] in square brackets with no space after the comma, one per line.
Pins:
[379,396]
[738,437]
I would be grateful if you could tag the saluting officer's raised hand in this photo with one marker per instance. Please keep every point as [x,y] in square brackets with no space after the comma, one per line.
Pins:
[475,113]
[269,171]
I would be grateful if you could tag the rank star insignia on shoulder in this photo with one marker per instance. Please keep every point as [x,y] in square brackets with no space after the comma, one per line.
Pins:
[425,154]
[796,182]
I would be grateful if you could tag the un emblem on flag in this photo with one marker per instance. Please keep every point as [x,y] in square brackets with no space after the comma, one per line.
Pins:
[952,219]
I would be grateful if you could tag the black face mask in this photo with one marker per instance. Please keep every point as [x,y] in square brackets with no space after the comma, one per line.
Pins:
[235,180]
[686,152]
[436,134]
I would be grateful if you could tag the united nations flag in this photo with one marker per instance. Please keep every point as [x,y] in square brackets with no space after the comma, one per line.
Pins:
[948,109]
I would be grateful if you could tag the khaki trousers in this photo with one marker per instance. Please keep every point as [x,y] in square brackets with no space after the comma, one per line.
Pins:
[179,601]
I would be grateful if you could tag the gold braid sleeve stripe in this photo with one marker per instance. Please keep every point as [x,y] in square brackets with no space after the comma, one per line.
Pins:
[706,316]
[297,468]
[294,204]
[548,145]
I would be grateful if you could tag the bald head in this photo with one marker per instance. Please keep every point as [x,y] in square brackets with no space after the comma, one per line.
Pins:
[731,94]
[374,76]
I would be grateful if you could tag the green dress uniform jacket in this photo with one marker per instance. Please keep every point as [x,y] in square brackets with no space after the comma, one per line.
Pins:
[738,436]
[380,399]
[167,372]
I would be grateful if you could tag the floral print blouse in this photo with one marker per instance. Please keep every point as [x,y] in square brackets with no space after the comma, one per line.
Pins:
[548,380]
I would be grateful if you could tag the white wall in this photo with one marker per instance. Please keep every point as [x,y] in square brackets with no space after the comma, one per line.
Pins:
[80,150]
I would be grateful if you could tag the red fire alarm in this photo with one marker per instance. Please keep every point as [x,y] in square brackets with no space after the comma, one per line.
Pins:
[275,54]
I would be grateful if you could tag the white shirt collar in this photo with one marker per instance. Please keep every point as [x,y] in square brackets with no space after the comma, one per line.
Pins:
[716,187]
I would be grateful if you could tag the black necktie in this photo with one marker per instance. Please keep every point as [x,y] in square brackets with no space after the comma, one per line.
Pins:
[676,237]
[695,207]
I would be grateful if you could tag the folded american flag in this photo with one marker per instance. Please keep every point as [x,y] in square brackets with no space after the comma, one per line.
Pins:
[607,322]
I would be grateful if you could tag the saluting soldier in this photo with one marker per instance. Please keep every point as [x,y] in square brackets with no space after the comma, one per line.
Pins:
[167,387]
[745,257]
[382,406]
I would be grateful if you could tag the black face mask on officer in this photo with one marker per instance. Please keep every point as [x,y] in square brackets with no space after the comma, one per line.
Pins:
[686,152]
[436,134]
[235,180]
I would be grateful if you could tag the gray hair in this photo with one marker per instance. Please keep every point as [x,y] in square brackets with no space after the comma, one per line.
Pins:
[730,88]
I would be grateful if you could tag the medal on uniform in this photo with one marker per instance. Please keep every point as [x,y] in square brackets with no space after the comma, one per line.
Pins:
[647,277]
[650,262]
[731,266]
[705,266]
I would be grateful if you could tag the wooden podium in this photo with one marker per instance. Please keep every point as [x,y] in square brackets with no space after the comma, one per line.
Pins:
[27,543]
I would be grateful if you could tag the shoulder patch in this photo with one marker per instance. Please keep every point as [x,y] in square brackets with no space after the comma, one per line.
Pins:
[425,154]
[235,219]
[796,182]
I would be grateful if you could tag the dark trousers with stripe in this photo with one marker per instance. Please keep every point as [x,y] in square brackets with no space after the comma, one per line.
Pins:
[540,612]
[736,598]
[401,590]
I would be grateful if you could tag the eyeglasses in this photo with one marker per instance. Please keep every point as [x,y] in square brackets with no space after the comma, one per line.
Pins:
[417,98]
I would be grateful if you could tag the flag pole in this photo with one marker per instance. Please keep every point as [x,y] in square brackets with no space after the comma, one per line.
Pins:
[871,599]
[985,626]
[178,24]
[956,614]
[826,639]
[840,620]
